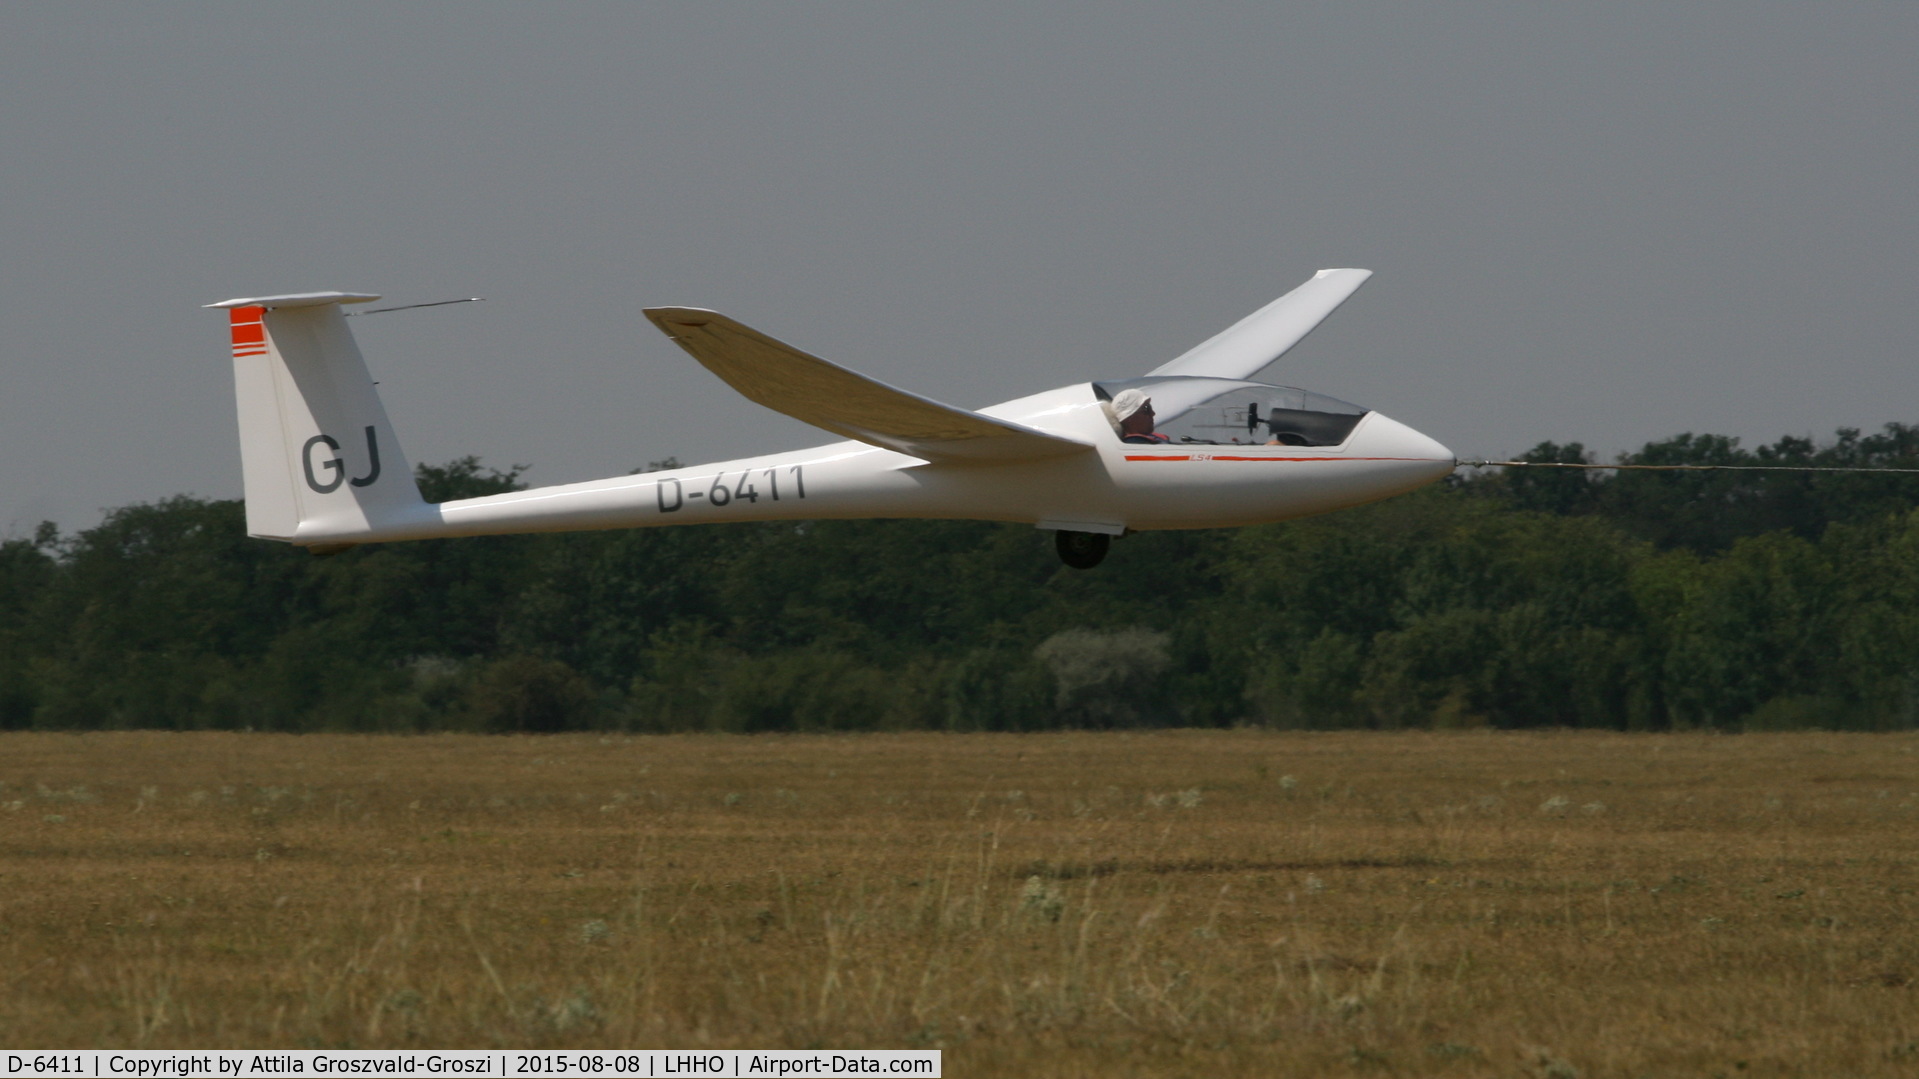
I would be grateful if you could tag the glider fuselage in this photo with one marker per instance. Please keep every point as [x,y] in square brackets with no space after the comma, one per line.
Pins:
[1113,487]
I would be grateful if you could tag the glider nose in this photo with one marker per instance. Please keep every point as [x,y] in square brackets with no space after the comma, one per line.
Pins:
[1413,457]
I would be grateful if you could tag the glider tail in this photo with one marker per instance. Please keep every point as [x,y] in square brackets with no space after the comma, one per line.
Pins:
[321,464]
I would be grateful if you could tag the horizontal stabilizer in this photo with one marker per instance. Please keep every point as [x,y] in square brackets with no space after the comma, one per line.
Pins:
[298,299]
[845,402]
[1250,344]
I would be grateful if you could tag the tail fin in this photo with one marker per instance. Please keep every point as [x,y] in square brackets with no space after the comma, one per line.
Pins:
[320,460]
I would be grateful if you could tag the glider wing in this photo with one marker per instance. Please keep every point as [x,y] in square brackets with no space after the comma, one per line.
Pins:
[845,402]
[1242,349]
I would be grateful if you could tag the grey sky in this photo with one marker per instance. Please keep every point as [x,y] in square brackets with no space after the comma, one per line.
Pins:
[1597,222]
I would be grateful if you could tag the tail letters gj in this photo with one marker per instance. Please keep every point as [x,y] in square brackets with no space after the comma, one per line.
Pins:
[336,466]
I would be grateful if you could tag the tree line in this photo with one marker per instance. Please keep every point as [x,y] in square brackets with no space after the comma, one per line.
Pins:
[1505,598]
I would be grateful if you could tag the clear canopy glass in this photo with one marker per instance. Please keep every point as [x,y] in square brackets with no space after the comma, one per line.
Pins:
[1228,412]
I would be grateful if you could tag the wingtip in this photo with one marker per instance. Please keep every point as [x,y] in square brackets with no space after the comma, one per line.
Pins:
[682,316]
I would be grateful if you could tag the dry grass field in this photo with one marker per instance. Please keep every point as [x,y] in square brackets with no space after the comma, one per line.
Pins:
[1181,903]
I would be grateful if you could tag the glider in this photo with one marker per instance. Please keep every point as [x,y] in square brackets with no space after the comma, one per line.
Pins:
[1195,443]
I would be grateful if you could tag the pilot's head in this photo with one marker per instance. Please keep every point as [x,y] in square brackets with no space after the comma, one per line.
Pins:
[1133,411]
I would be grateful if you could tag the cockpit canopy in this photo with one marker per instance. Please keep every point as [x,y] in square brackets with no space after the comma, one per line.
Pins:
[1228,412]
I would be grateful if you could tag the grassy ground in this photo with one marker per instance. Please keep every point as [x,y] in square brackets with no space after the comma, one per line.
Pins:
[1222,903]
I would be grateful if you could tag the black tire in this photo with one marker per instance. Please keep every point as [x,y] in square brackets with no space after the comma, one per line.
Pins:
[1081,550]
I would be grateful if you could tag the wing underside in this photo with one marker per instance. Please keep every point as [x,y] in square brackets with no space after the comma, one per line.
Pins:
[847,403]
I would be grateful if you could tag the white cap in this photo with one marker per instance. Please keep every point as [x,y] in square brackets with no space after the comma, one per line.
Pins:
[1127,402]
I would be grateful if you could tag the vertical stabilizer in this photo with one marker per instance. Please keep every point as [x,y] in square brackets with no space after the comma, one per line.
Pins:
[320,460]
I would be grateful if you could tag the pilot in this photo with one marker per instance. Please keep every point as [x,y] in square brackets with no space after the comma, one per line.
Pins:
[1133,412]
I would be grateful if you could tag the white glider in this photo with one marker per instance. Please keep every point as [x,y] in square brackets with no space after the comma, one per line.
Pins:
[323,468]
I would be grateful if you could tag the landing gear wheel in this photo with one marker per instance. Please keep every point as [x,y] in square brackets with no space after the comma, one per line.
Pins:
[1081,550]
